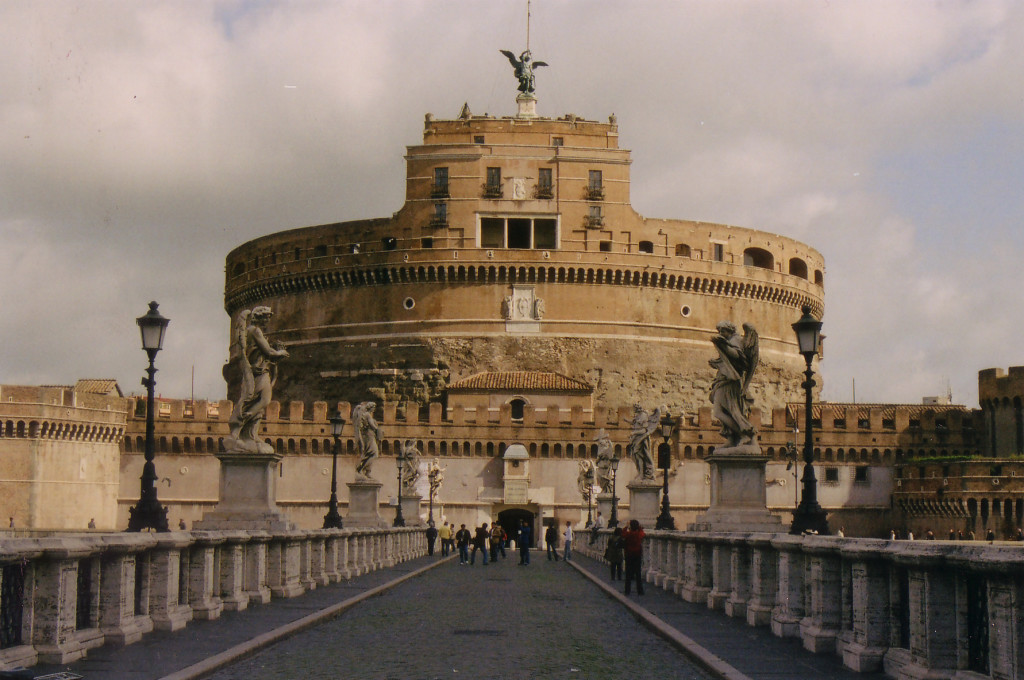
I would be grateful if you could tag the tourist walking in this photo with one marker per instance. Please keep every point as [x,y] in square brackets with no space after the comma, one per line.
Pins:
[613,553]
[498,537]
[567,535]
[445,534]
[633,549]
[462,537]
[525,534]
[595,528]
[480,543]
[431,537]
[551,540]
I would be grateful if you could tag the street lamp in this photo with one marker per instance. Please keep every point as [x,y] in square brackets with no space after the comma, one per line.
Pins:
[613,521]
[148,513]
[432,473]
[399,520]
[590,495]
[809,516]
[332,520]
[665,520]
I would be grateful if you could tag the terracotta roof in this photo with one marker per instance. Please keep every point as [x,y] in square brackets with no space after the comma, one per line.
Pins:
[888,410]
[107,386]
[521,381]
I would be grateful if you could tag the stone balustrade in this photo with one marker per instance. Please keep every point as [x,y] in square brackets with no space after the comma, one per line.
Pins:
[61,596]
[913,609]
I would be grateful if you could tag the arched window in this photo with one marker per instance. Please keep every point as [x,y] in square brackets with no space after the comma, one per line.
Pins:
[798,267]
[758,257]
[518,405]
[683,250]
[819,278]
[645,247]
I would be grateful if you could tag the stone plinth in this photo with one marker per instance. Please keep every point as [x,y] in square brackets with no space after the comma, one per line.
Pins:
[527,104]
[644,501]
[363,508]
[411,510]
[738,497]
[604,505]
[248,492]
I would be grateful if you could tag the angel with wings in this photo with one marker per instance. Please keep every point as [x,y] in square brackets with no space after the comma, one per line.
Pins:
[524,66]
[643,426]
[737,359]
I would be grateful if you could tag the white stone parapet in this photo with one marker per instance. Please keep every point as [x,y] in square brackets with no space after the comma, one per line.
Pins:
[912,609]
[140,582]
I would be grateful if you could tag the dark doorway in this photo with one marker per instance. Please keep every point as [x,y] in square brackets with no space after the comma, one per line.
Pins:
[511,519]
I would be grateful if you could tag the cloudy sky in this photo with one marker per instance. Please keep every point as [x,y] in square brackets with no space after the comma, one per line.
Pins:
[140,142]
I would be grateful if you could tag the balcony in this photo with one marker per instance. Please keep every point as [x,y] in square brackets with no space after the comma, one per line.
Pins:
[439,191]
[439,222]
[595,193]
[493,191]
[593,221]
[544,191]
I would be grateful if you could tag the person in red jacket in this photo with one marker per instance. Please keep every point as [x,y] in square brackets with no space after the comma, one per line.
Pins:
[633,547]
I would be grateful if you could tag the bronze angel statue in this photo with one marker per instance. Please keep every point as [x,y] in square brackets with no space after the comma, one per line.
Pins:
[737,359]
[524,66]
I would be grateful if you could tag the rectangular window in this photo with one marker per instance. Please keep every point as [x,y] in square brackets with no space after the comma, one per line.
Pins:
[839,423]
[478,139]
[605,246]
[831,475]
[492,232]
[427,242]
[718,252]
[440,187]
[860,474]
[539,233]
[519,233]
[595,180]
[440,213]
[544,178]
[557,141]
[493,177]
[545,236]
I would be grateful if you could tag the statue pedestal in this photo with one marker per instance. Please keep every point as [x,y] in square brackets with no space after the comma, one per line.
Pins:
[248,491]
[738,496]
[643,502]
[411,510]
[604,506]
[363,508]
[527,106]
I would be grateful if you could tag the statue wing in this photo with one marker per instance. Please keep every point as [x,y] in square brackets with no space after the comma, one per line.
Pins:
[751,351]
[540,63]
[512,59]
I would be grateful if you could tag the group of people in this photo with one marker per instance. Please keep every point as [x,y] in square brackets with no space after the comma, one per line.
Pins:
[627,545]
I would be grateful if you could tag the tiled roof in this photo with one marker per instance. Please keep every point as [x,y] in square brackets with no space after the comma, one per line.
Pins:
[98,386]
[521,381]
[888,410]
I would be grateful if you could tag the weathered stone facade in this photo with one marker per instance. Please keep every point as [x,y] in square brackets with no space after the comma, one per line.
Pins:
[517,249]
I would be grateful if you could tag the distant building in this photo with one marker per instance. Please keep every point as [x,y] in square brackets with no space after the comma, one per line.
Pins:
[60,454]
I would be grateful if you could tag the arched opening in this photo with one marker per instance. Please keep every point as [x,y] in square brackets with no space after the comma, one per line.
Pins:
[518,406]
[683,250]
[511,519]
[798,267]
[758,257]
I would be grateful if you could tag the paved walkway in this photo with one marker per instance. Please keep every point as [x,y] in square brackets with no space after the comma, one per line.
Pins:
[430,618]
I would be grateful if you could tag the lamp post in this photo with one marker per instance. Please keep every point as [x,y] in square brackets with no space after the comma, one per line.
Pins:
[148,513]
[613,521]
[665,520]
[809,516]
[590,496]
[432,474]
[332,520]
[399,519]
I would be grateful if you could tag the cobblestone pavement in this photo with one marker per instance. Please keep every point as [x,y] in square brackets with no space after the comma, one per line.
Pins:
[752,651]
[499,621]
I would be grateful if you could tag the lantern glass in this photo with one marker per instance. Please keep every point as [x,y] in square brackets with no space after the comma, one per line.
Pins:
[667,425]
[337,423]
[614,463]
[808,333]
[152,327]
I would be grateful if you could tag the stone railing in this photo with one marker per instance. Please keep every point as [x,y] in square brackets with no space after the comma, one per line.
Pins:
[61,596]
[912,609]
